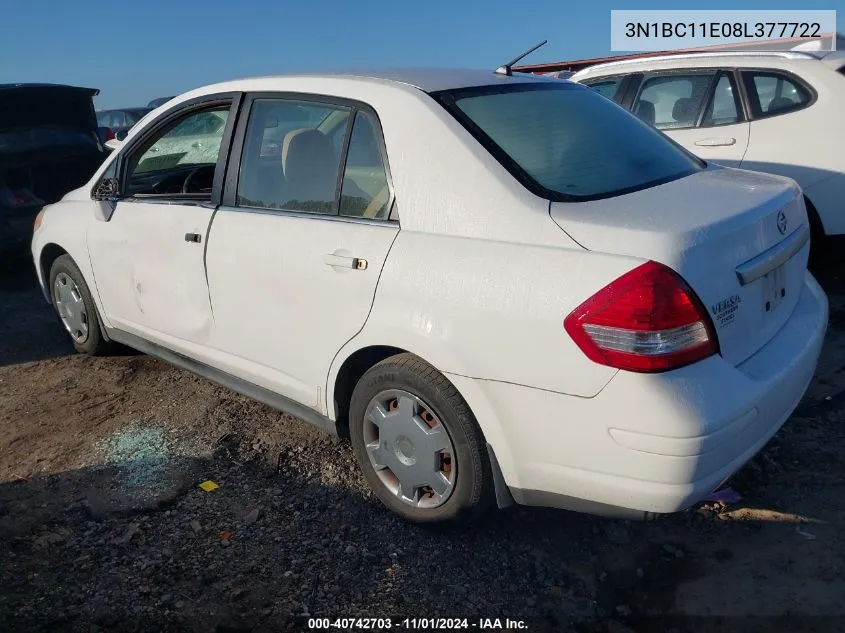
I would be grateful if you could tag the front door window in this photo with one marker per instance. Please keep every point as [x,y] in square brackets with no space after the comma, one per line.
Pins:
[181,159]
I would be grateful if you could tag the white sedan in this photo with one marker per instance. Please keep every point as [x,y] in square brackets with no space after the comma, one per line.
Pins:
[500,288]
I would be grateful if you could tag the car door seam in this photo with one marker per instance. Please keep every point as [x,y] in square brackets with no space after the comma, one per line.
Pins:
[205,260]
[325,403]
[563,229]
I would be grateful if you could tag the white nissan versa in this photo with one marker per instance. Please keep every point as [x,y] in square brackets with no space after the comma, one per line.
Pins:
[503,289]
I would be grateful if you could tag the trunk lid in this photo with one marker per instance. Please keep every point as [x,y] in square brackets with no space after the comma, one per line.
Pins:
[43,123]
[25,106]
[48,138]
[738,238]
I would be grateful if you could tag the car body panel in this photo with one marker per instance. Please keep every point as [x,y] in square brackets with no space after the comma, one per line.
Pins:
[714,232]
[674,441]
[153,292]
[329,301]
[492,321]
[725,144]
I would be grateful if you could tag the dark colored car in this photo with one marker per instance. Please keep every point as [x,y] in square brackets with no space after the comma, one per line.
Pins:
[49,145]
[121,119]
[152,105]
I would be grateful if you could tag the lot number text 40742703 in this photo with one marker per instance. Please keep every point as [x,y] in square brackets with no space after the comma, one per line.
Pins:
[415,624]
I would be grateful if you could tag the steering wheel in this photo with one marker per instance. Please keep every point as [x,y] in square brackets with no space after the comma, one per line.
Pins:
[190,178]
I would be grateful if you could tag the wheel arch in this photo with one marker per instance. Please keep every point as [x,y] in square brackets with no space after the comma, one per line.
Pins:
[817,228]
[359,360]
[353,366]
[49,254]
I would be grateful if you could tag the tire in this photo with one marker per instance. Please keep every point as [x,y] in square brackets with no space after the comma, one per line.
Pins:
[819,251]
[65,271]
[396,383]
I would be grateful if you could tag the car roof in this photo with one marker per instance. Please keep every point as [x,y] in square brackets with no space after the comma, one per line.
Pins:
[425,79]
[736,58]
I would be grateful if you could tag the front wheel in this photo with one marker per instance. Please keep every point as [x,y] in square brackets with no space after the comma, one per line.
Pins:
[75,307]
[418,444]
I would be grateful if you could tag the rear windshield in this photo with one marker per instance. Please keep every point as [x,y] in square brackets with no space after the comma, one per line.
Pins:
[566,142]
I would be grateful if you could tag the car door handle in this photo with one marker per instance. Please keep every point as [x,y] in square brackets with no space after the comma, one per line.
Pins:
[339,261]
[194,238]
[715,142]
[154,149]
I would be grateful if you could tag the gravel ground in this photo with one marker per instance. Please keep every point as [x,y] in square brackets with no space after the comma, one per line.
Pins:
[103,526]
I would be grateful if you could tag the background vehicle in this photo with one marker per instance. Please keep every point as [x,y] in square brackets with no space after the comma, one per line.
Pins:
[159,101]
[778,112]
[120,120]
[500,288]
[48,146]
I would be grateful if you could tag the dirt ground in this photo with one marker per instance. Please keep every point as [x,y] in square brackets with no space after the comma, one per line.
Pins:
[103,526]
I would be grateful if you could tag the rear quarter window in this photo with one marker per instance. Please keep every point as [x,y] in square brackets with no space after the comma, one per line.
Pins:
[771,93]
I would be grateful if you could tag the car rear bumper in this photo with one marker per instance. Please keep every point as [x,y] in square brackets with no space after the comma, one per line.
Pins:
[650,443]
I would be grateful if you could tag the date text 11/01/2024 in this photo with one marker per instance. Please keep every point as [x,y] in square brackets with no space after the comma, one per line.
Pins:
[415,624]
[691,30]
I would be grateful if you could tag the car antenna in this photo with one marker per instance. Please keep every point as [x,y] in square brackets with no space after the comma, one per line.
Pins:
[506,68]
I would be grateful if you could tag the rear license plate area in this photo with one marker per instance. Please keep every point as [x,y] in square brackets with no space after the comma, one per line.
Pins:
[774,288]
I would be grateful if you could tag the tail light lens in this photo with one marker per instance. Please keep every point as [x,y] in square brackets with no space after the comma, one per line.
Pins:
[648,320]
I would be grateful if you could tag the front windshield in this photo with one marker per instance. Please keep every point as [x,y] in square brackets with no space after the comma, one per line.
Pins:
[567,142]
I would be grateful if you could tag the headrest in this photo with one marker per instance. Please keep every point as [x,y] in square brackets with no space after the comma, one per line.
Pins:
[684,110]
[306,153]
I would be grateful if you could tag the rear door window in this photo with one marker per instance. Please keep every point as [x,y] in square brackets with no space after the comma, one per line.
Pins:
[672,101]
[365,192]
[773,93]
[289,160]
[723,107]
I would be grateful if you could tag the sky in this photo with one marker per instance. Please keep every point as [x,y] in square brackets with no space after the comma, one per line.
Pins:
[136,51]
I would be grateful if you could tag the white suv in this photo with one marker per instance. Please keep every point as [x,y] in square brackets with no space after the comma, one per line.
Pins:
[778,112]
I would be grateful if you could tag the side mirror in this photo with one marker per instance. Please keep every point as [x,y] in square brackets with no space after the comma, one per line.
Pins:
[107,189]
[121,136]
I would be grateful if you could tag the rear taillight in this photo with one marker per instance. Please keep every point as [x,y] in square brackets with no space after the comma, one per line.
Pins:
[648,320]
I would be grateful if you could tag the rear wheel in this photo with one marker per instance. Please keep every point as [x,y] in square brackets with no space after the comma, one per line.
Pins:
[75,307]
[418,444]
